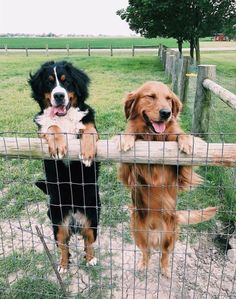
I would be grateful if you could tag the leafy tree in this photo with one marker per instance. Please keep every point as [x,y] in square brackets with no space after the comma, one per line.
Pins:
[229,29]
[184,19]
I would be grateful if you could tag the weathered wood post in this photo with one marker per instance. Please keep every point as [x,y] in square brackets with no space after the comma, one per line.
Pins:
[111,51]
[26,51]
[175,74]
[167,62]
[159,50]
[46,49]
[89,50]
[5,49]
[183,82]
[202,103]
[68,49]
[164,51]
[132,50]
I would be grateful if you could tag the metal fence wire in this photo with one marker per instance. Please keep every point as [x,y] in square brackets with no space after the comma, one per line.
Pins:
[202,264]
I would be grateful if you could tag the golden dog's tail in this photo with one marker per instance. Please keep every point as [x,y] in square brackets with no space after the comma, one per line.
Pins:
[196,216]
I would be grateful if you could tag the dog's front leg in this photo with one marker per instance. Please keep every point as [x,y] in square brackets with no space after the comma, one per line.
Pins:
[125,142]
[56,142]
[185,141]
[88,144]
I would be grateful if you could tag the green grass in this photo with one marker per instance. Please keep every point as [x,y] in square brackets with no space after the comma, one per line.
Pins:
[225,61]
[111,79]
[94,42]
[29,269]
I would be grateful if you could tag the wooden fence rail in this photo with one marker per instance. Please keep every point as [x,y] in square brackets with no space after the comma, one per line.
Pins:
[225,95]
[144,152]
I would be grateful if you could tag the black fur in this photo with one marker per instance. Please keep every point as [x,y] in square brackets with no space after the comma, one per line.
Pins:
[71,187]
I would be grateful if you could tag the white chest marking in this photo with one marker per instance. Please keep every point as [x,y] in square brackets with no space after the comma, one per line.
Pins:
[70,123]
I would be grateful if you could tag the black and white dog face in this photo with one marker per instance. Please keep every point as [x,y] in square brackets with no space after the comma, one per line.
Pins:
[59,85]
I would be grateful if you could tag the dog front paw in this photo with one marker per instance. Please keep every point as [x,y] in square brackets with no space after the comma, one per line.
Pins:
[88,149]
[57,147]
[124,142]
[185,143]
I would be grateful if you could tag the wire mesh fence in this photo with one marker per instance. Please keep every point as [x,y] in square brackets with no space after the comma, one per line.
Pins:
[202,263]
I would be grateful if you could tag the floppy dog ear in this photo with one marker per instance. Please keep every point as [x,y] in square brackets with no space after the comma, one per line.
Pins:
[176,105]
[130,102]
[36,83]
[80,81]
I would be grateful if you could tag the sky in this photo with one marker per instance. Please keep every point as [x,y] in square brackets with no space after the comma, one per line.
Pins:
[92,17]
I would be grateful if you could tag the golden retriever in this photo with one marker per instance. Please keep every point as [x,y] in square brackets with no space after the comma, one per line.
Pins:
[152,113]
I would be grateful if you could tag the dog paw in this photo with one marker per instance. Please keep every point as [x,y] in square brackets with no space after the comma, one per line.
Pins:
[124,142]
[141,265]
[185,144]
[62,270]
[165,273]
[57,149]
[92,262]
[86,162]
[88,150]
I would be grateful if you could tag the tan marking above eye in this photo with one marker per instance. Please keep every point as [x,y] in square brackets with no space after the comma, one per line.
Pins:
[51,78]
[63,77]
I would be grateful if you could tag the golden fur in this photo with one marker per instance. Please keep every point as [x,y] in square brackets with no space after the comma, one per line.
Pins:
[154,219]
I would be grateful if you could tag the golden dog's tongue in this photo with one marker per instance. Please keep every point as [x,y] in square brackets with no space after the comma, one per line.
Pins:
[159,127]
[59,110]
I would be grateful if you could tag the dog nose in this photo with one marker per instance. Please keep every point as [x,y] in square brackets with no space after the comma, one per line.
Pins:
[59,96]
[164,114]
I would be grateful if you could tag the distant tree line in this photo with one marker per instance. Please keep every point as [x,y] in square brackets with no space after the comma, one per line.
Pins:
[184,20]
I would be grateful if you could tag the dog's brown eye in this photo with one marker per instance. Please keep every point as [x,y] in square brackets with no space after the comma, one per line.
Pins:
[168,98]
[63,78]
[51,78]
[152,96]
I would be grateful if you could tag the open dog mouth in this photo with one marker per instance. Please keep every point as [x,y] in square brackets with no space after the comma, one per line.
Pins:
[156,126]
[60,110]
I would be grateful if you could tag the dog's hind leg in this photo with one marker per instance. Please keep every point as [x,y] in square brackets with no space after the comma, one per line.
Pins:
[62,238]
[144,260]
[168,244]
[89,238]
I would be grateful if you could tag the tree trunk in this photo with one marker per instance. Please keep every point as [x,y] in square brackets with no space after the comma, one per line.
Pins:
[197,50]
[180,46]
[191,42]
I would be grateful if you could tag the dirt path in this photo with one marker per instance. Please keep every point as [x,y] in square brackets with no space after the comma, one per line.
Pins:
[198,270]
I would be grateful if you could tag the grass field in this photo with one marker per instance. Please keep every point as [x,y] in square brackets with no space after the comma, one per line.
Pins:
[111,79]
[94,42]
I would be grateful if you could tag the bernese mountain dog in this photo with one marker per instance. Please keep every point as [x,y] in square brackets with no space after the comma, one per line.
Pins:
[60,89]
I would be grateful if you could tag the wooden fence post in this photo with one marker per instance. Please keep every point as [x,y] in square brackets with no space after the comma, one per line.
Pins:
[26,51]
[164,51]
[202,103]
[175,75]
[111,51]
[167,62]
[5,49]
[68,49]
[161,53]
[132,50]
[171,65]
[89,50]
[159,50]
[46,49]
[183,79]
